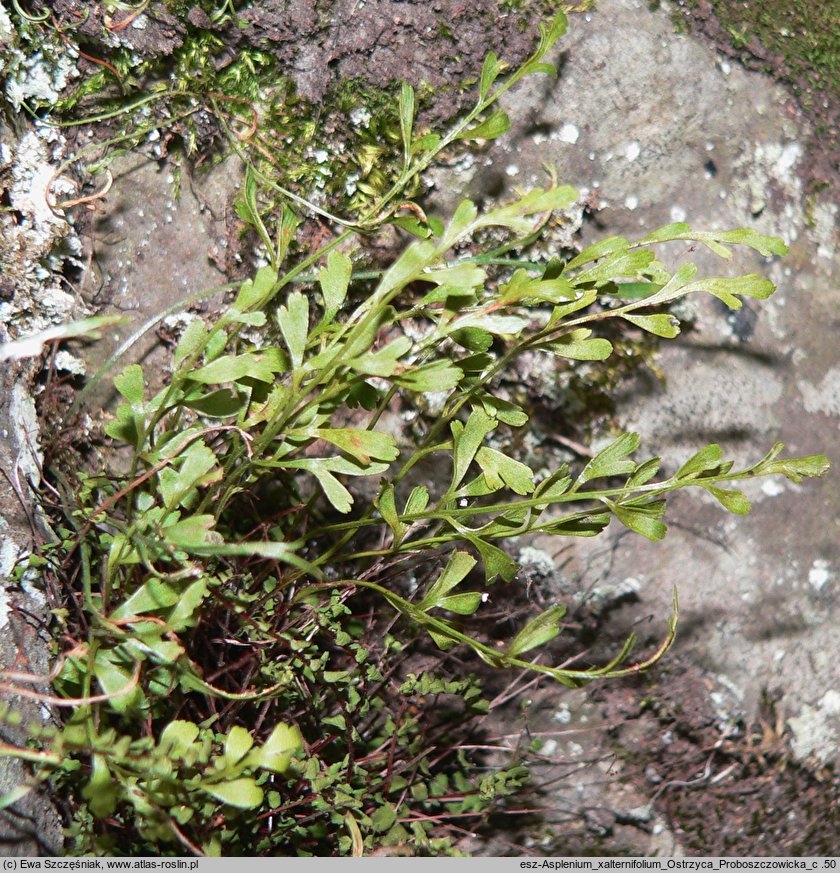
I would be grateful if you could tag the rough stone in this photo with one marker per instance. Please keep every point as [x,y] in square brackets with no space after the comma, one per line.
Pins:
[663,132]
[29,236]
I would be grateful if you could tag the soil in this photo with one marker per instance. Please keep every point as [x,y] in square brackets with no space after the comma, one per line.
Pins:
[738,793]
[319,43]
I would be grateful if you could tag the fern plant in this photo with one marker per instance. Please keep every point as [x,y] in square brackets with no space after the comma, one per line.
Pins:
[230,596]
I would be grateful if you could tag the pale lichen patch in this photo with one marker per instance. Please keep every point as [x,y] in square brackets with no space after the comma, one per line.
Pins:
[816,730]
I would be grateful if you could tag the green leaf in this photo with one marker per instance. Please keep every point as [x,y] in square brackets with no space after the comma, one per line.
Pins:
[643,473]
[417,501]
[610,246]
[765,245]
[476,487]
[262,366]
[436,376]
[335,721]
[494,125]
[153,595]
[726,289]
[500,469]
[275,551]
[586,298]
[385,362]
[414,226]
[177,739]
[628,264]
[643,519]
[243,793]
[612,460]
[363,395]
[590,526]
[362,337]
[215,345]
[149,646]
[293,320]
[533,67]
[472,339]
[32,346]
[490,70]
[733,501]
[192,339]
[387,506]
[676,230]
[15,794]
[428,143]
[363,445]
[463,604]
[457,567]
[677,286]
[554,486]
[503,410]
[115,679]
[197,467]
[467,440]
[497,562]
[443,642]
[254,294]
[277,751]
[458,277]
[549,36]
[131,385]
[577,346]
[221,403]
[102,792]
[237,745]
[500,325]
[127,427]
[334,280]
[406,117]
[707,459]
[345,466]
[660,325]
[323,470]
[288,225]
[794,469]
[525,287]
[536,202]
[195,530]
[460,225]
[185,612]
[475,365]
[631,290]
[383,817]
[407,268]
[333,490]
[538,631]
[248,210]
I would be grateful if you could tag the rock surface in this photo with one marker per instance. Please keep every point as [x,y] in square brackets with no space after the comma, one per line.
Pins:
[655,127]
[30,300]
[663,130]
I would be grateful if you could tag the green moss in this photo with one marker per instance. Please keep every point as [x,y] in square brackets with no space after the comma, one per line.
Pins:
[320,152]
[806,35]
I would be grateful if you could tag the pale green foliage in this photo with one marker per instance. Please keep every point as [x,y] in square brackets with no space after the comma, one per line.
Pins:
[299,405]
